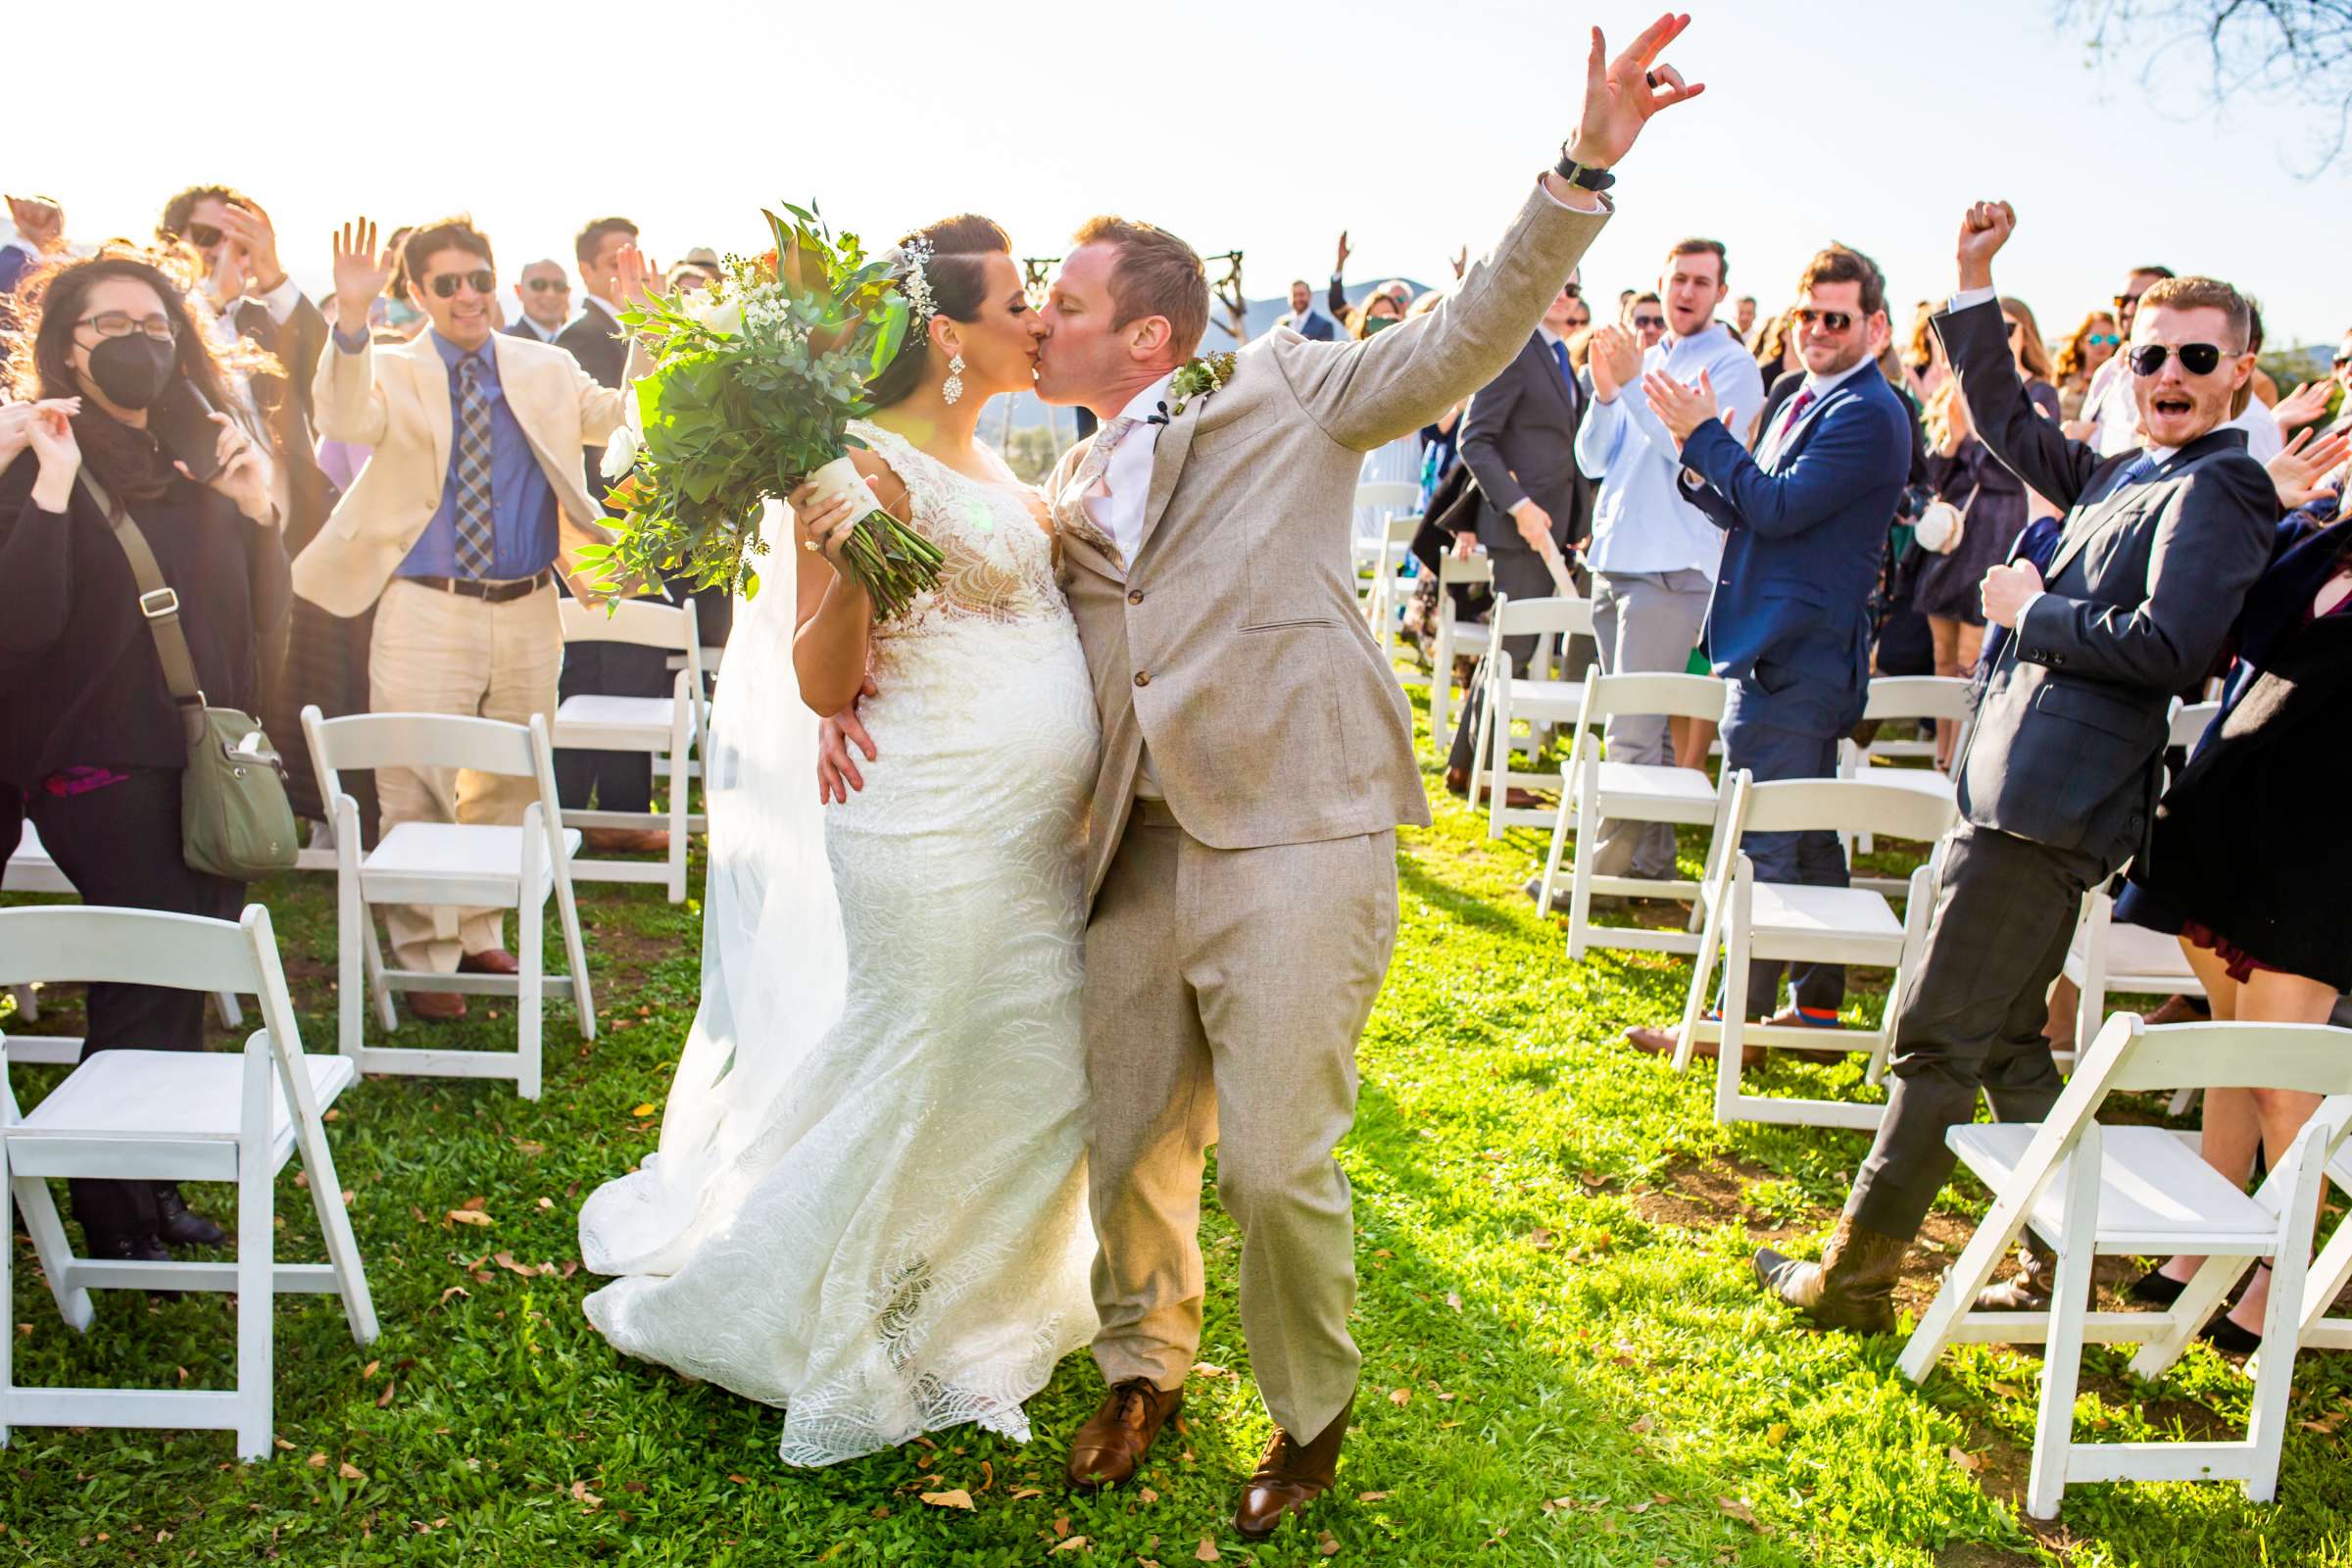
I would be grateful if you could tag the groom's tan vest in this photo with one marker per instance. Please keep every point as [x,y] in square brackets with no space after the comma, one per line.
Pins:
[1232,642]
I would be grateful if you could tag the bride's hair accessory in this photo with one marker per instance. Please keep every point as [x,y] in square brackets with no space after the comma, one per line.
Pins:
[953,388]
[915,255]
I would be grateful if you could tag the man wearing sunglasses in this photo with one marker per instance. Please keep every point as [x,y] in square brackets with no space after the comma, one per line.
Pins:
[2060,779]
[472,503]
[545,294]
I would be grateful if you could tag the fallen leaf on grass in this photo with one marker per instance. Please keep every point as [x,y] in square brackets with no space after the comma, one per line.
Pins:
[1640,1508]
[1147,1497]
[2008,1391]
[741,1481]
[1540,1240]
[1061,1525]
[1371,1496]
[384,1398]
[506,1260]
[1208,1551]
[1775,1434]
[1025,1494]
[1738,1509]
[317,1461]
[469,1217]
[1453,1300]
[1326,1544]
[1642,1427]
[582,1496]
[1965,1459]
[350,1472]
[1208,1369]
[957,1498]
[646,1109]
[1071,1544]
[529,1148]
[1402,1397]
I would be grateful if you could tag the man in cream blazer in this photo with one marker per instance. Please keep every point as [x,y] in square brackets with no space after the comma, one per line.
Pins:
[471,500]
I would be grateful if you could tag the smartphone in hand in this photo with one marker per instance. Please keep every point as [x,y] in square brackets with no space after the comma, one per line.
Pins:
[182,421]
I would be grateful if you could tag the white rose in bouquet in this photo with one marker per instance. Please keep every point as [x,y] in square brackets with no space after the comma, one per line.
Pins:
[722,317]
[621,453]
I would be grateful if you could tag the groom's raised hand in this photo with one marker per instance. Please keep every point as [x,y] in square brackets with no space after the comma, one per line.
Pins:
[1622,94]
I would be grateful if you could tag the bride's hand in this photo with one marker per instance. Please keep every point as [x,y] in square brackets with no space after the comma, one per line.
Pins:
[826,526]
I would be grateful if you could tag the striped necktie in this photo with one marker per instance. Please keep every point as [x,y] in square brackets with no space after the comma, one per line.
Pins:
[477,533]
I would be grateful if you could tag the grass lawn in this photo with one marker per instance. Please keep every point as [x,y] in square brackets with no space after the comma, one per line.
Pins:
[1566,1362]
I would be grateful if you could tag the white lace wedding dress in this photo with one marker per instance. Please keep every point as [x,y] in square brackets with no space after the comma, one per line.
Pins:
[868,1206]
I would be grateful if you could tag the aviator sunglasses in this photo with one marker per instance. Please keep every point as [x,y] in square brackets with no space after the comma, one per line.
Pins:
[445,285]
[2197,358]
[1830,321]
[540,285]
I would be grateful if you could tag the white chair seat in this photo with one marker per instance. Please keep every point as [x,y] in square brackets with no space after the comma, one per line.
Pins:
[1554,702]
[438,863]
[1663,793]
[2135,953]
[592,721]
[177,1095]
[2152,1198]
[1788,909]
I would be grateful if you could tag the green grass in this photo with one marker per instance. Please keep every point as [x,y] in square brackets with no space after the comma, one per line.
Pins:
[1565,1360]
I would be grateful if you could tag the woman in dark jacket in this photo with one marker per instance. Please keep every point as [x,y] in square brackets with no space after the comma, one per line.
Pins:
[2248,854]
[90,738]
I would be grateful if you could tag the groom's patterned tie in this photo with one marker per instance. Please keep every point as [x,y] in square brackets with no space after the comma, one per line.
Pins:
[1098,456]
[477,535]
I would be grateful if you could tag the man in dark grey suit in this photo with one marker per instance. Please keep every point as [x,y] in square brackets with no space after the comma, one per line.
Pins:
[2061,776]
[1519,440]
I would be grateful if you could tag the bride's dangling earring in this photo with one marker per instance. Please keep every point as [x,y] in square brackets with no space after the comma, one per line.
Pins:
[953,388]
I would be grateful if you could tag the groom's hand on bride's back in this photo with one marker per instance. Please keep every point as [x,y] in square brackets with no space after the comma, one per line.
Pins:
[836,767]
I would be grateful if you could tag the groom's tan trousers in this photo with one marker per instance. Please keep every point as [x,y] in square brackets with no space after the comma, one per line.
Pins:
[1224,992]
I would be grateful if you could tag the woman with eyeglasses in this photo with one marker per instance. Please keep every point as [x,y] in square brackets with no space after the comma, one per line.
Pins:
[90,737]
[1995,503]
[2088,346]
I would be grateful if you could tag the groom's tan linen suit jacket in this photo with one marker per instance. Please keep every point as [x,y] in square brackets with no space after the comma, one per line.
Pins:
[1232,643]
[395,400]
[1241,929]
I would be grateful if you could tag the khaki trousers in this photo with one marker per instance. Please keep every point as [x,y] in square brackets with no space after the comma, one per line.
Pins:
[1224,992]
[435,651]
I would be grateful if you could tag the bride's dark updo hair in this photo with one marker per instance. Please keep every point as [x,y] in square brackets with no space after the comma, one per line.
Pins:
[957,272]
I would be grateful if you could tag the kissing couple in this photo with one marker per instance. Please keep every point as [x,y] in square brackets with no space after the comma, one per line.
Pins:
[1091,864]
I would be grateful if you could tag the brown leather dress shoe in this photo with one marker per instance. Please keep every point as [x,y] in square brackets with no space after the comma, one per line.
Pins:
[1289,1476]
[490,960]
[625,841]
[1852,1287]
[2029,1291]
[1112,1443]
[436,1007]
[1458,781]
[1661,1043]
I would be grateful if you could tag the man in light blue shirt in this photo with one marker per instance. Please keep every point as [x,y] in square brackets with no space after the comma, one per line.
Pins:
[1653,555]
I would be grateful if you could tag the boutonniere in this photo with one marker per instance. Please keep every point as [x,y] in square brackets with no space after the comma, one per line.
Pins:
[1200,377]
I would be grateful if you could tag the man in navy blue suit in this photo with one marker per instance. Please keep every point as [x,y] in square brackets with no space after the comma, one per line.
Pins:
[1806,518]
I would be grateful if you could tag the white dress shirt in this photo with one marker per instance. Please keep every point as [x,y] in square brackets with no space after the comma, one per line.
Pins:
[1116,505]
[279,302]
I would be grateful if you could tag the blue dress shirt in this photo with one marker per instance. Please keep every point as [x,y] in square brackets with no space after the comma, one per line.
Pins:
[522,504]
[1640,521]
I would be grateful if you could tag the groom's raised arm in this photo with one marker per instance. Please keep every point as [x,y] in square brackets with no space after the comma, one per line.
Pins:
[1367,393]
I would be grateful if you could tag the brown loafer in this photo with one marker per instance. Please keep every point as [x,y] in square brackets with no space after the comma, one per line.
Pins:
[625,841]
[1851,1287]
[1291,1475]
[436,1007]
[1114,1440]
[490,960]
[1662,1042]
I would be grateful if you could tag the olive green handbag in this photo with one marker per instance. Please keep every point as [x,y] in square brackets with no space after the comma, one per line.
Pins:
[234,822]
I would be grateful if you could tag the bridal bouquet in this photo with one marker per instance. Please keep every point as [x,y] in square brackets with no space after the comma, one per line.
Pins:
[755,382]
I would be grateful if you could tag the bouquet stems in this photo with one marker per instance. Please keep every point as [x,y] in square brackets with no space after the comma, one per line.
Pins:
[891,562]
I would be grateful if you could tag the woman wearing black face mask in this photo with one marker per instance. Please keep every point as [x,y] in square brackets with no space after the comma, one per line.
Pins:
[90,739]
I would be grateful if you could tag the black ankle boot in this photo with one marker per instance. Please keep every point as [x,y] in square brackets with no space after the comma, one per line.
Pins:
[178,1225]
[121,1247]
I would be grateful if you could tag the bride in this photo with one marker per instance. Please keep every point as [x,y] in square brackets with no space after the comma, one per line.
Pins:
[867,1207]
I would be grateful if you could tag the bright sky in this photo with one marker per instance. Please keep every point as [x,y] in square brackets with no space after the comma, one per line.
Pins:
[1264,125]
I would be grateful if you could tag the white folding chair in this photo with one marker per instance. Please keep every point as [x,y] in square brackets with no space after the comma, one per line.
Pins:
[174,1115]
[2110,954]
[1898,699]
[659,726]
[32,870]
[2330,1272]
[1377,503]
[2188,723]
[469,865]
[1751,919]
[2091,1189]
[1534,696]
[1594,790]
[1453,638]
[1392,588]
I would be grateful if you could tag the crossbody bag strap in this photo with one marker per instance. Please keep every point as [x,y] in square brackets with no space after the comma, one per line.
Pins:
[159,606]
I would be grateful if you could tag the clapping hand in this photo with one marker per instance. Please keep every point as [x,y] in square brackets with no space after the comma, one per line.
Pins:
[2300,472]
[243,474]
[1615,361]
[1983,229]
[47,427]
[252,236]
[2306,403]
[1621,95]
[361,273]
[1681,408]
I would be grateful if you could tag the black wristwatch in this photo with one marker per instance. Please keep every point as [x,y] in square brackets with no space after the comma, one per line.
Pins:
[1584,176]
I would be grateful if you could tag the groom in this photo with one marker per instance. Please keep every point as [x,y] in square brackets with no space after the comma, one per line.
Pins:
[1256,759]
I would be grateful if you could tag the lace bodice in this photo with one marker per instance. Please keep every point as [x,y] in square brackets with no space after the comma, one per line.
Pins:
[1000,562]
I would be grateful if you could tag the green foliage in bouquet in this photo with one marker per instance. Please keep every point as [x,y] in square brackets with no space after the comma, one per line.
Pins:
[755,382]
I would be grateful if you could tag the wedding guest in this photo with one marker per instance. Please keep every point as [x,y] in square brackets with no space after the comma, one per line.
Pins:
[1805,520]
[1923,370]
[40,234]
[2264,930]
[1993,502]
[1654,554]
[1647,317]
[1378,312]
[2086,349]
[460,571]
[2058,783]
[1519,438]
[1744,315]
[1304,318]
[2111,405]
[91,737]
[544,293]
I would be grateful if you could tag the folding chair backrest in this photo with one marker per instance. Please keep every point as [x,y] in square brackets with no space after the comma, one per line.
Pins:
[1465,569]
[1848,805]
[1916,696]
[1651,695]
[1388,495]
[645,622]
[1548,618]
[83,944]
[419,740]
[2313,1058]
[2189,721]
[1400,531]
